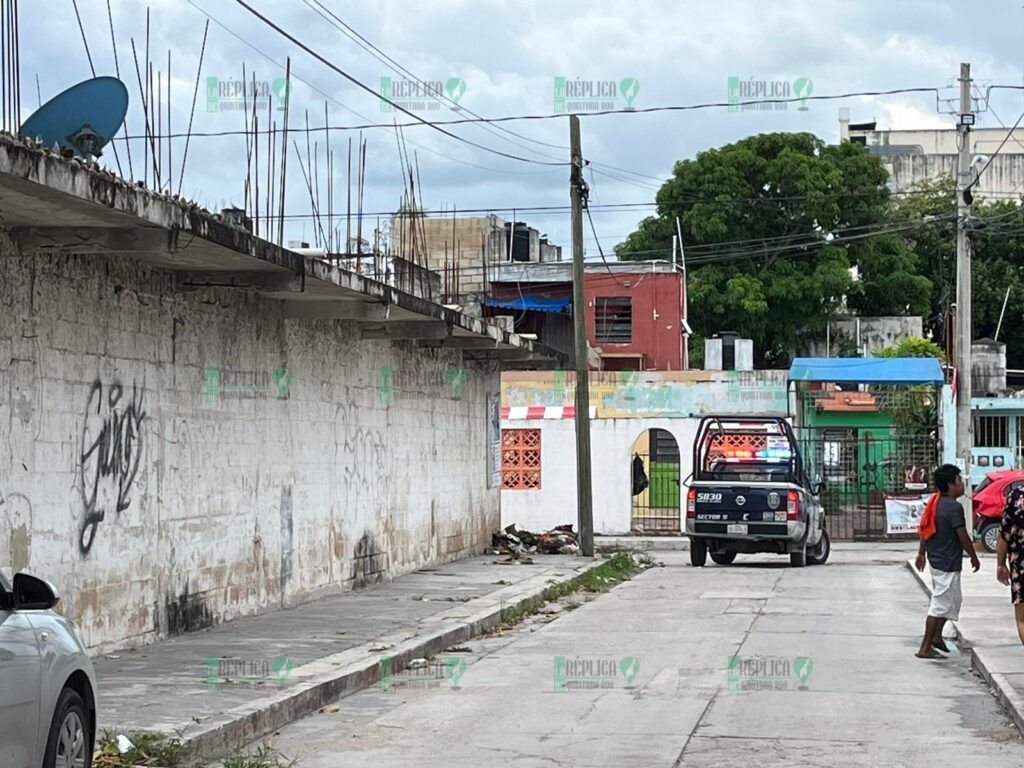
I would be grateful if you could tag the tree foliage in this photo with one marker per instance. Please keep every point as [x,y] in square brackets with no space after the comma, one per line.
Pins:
[758,219]
[913,346]
[911,408]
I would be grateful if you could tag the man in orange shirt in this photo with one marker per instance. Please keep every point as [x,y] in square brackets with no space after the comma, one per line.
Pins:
[944,539]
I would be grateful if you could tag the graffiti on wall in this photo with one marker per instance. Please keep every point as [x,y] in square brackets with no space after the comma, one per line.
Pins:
[110,453]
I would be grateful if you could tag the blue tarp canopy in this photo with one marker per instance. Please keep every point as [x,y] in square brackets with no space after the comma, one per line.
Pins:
[538,303]
[867,370]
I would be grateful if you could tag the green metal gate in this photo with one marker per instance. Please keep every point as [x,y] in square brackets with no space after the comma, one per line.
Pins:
[656,509]
[859,468]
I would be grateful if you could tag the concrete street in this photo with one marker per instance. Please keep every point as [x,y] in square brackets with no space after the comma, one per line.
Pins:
[854,623]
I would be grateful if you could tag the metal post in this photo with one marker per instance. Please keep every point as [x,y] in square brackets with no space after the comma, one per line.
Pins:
[962,353]
[1002,312]
[584,500]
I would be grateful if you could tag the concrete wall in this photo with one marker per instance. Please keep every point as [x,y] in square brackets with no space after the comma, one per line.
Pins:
[612,442]
[868,334]
[1003,178]
[171,460]
[676,394]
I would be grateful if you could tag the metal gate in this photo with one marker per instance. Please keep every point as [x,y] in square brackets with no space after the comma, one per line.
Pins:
[656,508]
[859,468]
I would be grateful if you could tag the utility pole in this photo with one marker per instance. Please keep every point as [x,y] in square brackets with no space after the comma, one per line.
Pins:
[962,350]
[584,498]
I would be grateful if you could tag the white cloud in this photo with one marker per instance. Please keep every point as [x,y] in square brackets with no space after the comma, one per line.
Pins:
[509,52]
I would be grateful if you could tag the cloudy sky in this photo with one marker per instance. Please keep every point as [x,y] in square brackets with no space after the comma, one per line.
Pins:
[508,54]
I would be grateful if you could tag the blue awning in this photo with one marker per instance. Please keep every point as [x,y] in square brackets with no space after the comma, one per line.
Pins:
[537,303]
[867,370]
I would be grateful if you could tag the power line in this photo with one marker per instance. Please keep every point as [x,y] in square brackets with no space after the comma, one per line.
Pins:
[329,97]
[384,58]
[355,81]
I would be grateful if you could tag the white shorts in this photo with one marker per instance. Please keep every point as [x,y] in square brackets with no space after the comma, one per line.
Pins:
[946,595]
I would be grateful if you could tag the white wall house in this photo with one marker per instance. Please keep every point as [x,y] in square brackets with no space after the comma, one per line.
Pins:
[624,407]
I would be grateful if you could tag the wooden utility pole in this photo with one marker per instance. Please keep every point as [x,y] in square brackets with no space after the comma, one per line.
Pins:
[584,498]
[964,426]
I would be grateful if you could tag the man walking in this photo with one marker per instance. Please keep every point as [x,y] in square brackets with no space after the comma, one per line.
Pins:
[945,539]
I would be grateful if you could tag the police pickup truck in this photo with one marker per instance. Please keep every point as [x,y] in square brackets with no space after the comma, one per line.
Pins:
[749,493]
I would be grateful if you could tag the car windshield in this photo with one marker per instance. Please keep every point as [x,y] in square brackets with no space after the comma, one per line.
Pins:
[983,485]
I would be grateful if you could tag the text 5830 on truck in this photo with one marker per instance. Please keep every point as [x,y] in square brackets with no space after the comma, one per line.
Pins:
[749,493]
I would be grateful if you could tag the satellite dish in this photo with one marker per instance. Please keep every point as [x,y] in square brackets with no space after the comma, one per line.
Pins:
[83,119]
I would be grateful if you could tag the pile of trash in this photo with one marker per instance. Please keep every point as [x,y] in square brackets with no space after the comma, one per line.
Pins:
[560,540]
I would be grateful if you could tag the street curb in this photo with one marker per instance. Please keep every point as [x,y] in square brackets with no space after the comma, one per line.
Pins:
[1004,692]
[324,680]
[645,543]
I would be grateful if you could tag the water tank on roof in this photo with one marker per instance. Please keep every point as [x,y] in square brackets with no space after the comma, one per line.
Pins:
[725,351]
[988,369]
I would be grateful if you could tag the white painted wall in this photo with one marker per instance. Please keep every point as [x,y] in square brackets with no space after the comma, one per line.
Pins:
[232,503]
[611,447]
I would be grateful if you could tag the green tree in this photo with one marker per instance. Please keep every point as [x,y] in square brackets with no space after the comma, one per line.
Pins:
[913,409]
[913,346]
[756,219]
[997,262]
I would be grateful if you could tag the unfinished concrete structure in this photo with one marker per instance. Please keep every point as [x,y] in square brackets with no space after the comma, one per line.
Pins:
[467,250]
[199,425]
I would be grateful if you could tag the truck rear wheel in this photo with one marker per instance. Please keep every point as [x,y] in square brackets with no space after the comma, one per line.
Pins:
[698,552]
[821,552]
[723,558]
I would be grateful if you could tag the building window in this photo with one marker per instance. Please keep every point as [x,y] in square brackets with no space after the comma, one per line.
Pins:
[663,446]
[613,319]
[520,459]
[991,432]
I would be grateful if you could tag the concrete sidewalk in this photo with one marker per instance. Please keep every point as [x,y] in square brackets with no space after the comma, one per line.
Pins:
[987,628]
[226,686]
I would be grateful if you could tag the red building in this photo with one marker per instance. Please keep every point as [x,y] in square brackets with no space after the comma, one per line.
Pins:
[635,310]
[635,318]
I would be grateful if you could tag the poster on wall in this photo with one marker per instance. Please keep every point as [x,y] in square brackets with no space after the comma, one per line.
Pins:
[494,441]
[903,513]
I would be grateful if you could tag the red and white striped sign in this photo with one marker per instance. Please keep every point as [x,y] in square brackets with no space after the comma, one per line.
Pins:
[534,412]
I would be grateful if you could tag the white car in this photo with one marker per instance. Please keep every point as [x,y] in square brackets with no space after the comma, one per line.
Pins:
[47,683]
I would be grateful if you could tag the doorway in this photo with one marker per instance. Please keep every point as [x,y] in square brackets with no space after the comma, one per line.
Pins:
[654,480]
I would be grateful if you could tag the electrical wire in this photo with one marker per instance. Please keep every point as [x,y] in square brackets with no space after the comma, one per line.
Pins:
[327,96]
[993,155]
[360,84]
[384,58]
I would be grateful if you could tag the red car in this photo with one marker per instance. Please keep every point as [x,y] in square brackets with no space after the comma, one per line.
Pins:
[989,498]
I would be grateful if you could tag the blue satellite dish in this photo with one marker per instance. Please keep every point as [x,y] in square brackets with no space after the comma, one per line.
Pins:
[83,119]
